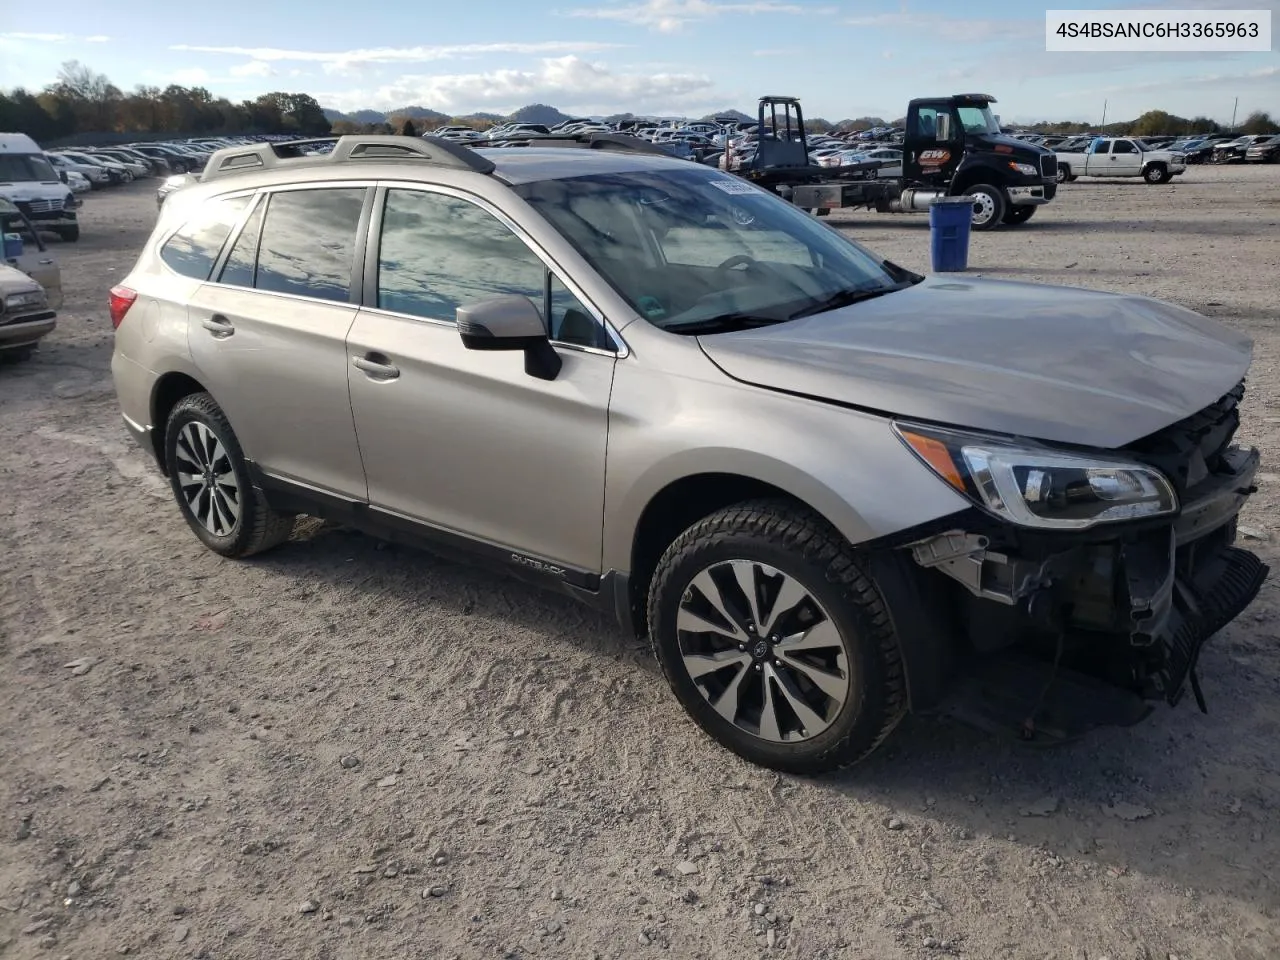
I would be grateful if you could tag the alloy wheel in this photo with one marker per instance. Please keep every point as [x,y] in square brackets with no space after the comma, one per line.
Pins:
[984,208]
[763,651]
[207,480]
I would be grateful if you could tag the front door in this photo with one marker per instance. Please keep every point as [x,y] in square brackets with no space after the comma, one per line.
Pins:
[933,147]
[465,440]
[269,333]
[1126,160]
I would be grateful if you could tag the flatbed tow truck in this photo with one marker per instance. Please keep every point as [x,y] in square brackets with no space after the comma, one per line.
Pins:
[953,147]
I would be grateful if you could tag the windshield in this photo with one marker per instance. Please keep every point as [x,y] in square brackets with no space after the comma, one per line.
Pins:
[976,119]
[22,167]
[689,247]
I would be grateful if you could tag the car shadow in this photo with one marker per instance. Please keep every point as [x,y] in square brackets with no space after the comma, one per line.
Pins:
[1192,791]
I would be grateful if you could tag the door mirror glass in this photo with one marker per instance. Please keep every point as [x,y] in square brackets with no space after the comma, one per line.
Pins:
[944,128]
[509,322]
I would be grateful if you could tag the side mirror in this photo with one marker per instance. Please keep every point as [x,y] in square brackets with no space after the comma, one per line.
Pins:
[510,323]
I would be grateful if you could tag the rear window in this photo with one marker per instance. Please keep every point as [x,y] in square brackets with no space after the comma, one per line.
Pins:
[193,249]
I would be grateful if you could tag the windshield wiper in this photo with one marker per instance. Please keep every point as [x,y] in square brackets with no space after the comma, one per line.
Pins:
[724,323]
[843,298]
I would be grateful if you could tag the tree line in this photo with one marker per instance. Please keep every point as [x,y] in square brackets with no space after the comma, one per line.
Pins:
[84,101]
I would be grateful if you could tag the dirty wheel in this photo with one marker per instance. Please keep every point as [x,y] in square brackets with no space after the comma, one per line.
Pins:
[989,206]
[211,482]
[775,640]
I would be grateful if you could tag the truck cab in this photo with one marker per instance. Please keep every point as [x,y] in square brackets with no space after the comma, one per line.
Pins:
[954,144]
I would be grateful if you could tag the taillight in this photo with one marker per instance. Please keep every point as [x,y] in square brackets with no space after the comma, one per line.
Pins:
[121,299]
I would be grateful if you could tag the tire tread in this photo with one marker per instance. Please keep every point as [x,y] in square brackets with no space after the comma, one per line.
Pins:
[800,530]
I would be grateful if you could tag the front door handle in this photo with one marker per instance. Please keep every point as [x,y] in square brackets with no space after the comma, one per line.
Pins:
[219,326]
[374,368]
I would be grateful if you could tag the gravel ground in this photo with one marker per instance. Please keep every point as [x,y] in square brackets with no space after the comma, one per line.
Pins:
[345,749]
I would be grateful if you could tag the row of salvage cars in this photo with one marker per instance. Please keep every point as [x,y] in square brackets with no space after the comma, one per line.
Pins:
[30,285]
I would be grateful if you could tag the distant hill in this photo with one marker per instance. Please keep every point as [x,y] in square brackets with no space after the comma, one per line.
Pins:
[736,114]
[538,113]
[533,113]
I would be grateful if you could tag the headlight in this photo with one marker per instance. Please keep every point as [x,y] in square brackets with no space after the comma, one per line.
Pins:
[19,301]
[1038,486]
[177,180]
[1026,169]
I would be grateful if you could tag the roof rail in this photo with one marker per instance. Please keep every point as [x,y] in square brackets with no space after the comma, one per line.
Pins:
[353,147]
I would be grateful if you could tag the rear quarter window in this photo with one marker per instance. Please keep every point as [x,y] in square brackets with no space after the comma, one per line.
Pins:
[192,250]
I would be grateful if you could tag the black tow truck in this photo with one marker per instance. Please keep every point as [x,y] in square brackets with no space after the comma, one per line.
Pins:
[952,147]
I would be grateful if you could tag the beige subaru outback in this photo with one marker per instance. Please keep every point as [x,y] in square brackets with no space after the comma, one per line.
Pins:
[830,490]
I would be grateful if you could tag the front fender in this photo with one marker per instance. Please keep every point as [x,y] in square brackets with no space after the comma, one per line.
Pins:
[846,464]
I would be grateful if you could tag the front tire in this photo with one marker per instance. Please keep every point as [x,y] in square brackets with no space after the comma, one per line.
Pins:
[1064,173]
[69,234]
[1021,214]
[774,639]
[212,485]
[1156,173]
[989,206]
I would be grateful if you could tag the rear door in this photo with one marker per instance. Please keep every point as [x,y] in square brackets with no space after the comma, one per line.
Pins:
[268,334]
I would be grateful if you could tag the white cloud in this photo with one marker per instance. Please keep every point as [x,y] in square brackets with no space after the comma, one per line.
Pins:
[53,38]
[349,62]
[669,16]
[570,83]
[254,68]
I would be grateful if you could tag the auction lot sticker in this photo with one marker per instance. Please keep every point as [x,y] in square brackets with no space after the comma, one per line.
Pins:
[1147,31]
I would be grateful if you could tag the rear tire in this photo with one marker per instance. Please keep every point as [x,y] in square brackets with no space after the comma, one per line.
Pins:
[212,485]
[989,206]
[809,675]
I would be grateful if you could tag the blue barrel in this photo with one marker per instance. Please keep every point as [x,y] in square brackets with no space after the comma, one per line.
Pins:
[949,223]
[12,246]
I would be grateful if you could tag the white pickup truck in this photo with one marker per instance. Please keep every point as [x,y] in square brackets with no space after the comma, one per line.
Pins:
[1121,157]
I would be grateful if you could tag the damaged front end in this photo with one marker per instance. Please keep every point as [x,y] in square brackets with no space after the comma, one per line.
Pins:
[1085,587]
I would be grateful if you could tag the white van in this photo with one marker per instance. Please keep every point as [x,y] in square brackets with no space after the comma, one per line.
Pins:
[29,180]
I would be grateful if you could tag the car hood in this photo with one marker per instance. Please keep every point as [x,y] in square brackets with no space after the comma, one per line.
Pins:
[1058,364]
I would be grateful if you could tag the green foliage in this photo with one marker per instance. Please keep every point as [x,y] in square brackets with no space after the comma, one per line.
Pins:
[82,101]
[1259,122]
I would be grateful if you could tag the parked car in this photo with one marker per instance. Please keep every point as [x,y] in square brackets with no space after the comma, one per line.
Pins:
[799,468]
[116,172]
[96,174]
[137,168]
[77,181]
[1233,151]
[36,260]
[25,315]
[1120,157]
[1264,151]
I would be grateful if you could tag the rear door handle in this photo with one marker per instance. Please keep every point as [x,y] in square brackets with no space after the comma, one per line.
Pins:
[219,326]
[374,368]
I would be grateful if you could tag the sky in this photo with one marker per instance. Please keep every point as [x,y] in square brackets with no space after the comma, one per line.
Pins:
[661,57]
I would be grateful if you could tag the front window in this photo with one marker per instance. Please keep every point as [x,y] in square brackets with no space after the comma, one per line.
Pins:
[24,167]
[697,251]
[977,119]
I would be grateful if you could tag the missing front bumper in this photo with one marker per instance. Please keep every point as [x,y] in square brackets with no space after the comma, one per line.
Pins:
[1059,618]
